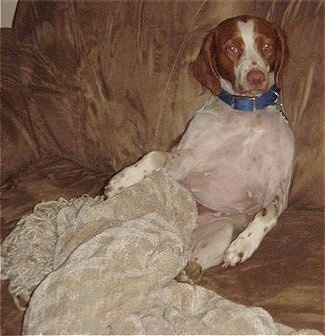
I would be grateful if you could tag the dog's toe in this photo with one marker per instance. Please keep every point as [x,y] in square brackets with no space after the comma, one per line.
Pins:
[109,191]
[238,251]
[114,187]
[191,274]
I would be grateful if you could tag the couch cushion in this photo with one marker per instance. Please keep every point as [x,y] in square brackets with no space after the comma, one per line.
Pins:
[286,274]
[45,180]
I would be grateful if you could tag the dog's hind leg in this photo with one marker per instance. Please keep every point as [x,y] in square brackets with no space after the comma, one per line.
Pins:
[210,239]
[208,242]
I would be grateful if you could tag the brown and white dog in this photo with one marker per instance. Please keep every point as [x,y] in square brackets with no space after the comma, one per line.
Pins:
[236,154]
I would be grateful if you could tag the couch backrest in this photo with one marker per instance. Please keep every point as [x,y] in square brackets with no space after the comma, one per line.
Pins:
[107,81]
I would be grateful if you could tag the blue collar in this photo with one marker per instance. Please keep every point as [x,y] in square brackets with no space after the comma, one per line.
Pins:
[246,103]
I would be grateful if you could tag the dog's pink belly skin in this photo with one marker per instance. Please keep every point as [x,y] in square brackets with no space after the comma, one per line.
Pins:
[228,191]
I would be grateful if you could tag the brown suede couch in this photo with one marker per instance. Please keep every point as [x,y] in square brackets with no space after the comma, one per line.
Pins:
[88,87]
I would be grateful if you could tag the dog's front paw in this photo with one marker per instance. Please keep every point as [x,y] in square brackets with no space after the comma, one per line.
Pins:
[127,177]
[122,180]
[135,173]
[116,185]
[239,250]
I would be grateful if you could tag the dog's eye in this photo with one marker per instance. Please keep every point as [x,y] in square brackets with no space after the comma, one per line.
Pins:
[267,47]
[233,49]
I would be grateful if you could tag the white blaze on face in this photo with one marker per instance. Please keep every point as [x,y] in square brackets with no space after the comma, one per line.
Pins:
[251,58]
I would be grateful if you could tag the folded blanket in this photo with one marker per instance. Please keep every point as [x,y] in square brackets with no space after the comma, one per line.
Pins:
[95,266]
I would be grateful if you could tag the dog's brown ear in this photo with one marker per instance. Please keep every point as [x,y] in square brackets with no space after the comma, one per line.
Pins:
[205,67]
[282,55]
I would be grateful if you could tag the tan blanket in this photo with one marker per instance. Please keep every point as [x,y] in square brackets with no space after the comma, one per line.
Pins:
[95,266]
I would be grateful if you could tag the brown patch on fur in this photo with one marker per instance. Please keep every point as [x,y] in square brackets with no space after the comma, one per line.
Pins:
[191,274]
[266,228]
[264,212]
[240,254]
[276,198]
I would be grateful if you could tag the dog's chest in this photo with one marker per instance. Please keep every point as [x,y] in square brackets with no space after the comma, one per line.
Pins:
[213,137]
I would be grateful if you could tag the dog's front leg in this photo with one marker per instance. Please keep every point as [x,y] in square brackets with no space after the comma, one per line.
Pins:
[248,241]
[147,165]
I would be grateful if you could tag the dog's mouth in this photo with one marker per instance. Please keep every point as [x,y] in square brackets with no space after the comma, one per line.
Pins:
[253,92]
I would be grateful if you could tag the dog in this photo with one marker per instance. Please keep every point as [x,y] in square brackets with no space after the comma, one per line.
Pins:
[236,154]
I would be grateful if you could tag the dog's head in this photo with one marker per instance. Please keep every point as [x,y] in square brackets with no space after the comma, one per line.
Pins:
[245,55]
